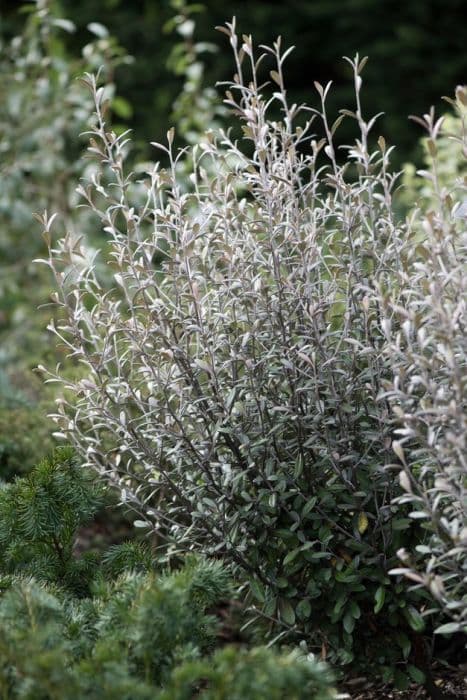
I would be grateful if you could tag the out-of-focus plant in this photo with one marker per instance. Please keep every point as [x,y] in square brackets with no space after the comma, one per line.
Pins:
[24,433]
[240,674]
[43,108]
[232,394]
[139,638]
[198,109]
[427,344]
[451,170]
[197,106]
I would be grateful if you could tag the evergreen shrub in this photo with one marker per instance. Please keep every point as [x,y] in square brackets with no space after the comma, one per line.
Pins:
[236,392]
[39,516]
[77,627]
[236,674]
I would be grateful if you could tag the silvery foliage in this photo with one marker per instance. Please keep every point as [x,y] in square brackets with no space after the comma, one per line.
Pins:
[428,350]
[243,372]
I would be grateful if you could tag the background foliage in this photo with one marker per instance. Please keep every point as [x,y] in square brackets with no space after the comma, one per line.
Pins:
[416,49]
[43,109]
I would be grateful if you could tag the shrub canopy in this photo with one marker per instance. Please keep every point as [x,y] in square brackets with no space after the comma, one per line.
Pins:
[238,387]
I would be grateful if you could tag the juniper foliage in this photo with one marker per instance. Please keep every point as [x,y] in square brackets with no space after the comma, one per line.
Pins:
[234,674]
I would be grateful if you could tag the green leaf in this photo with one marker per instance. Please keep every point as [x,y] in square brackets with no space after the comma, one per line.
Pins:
[270,607]
[401,680]
[380,596]
[349,623]
[319,555]
[346,577]
[122,108]
[286,611]
[400,524]
[404,643]
[414,619]
[448,628]
[340,603]
[309,505]
[303,609]
[291,556]
[387,674]
[298,467]
[257,590]
[415,674]
[345,656]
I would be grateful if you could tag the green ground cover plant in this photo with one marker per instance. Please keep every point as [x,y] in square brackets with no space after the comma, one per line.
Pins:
[243,378]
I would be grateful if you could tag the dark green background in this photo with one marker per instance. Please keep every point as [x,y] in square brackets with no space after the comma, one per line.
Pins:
[417,52]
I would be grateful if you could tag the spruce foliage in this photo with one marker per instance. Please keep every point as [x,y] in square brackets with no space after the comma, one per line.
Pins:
[39,517]
[114,625]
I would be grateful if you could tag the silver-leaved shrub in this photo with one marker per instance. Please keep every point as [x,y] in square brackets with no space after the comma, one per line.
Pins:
[428,350]
[237,377]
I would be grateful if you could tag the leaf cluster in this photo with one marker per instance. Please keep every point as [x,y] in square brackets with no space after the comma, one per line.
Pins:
[39,517]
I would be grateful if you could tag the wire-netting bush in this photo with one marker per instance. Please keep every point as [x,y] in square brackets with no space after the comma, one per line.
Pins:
[233,375]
